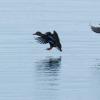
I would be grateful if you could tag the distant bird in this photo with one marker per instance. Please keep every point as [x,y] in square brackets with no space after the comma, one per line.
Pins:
[50,38]
[95,29]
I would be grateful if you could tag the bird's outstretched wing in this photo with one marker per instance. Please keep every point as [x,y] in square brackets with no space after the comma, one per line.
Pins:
[57,40]
[42,40]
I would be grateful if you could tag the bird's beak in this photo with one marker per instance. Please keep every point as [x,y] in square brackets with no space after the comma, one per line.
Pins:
[34,33]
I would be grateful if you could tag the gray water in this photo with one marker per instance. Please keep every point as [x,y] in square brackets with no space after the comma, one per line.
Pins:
[28,71]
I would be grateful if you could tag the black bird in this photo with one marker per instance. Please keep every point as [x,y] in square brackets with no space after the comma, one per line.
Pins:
[95,29]
[50,38]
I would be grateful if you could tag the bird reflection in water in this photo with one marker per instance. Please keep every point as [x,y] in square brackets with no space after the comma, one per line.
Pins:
[49,65]
[48,76]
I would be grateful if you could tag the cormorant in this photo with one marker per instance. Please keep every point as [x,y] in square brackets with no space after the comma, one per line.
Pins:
[48,37]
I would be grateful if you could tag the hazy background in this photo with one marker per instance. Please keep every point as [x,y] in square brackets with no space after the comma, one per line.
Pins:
[28,71]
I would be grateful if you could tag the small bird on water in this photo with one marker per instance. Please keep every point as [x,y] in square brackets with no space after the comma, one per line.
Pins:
[48,37]
[95,29]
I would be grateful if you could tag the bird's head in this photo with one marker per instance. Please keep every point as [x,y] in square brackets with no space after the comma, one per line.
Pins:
[37,33]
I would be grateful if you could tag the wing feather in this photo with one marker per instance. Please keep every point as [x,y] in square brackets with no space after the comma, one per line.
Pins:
[41,40]
[55,35]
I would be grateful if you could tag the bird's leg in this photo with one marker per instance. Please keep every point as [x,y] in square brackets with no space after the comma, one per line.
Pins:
[49,48]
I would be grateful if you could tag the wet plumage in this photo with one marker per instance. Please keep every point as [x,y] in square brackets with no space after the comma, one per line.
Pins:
[50,38]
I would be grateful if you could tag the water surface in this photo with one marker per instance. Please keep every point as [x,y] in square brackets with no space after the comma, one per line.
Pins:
[28,71]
